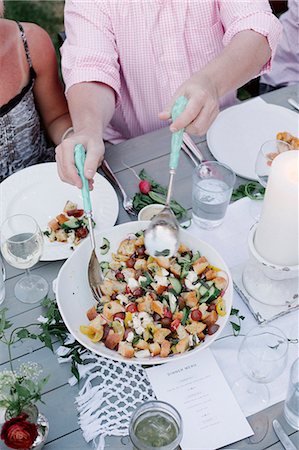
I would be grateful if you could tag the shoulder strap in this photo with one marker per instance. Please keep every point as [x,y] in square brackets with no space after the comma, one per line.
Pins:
[26,48]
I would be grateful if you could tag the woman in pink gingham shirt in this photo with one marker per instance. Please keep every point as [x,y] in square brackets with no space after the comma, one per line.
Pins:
[124,61]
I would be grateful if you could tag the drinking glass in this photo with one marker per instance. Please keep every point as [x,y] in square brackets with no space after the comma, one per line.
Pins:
[262,357]
[22,246]
[213,184]
[269,150]
[154,425]
[291,406]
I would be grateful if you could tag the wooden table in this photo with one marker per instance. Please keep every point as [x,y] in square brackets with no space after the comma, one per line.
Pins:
[149,152]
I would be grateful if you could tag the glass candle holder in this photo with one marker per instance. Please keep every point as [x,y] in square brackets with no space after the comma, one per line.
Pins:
[156,425]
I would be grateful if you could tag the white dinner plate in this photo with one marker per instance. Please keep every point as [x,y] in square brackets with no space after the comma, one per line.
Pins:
[39,192]
[238,133]
[74,297]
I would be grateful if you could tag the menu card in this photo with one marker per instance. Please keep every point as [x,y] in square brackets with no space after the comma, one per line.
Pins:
[196,387]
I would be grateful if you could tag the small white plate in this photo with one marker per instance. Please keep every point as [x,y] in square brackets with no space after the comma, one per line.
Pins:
[74,296]
[39,192]
[238,133]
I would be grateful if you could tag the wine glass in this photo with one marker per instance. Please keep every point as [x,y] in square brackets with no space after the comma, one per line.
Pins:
[22,246]
[268,152]
[262,357]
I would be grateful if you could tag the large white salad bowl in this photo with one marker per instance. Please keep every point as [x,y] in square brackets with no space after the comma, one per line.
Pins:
[74,297]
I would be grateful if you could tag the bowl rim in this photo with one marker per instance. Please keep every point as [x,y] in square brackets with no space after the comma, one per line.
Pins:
[113,354]
[145,208]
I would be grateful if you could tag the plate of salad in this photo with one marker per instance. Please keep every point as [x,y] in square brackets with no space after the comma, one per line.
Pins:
[38,191]
[153,310]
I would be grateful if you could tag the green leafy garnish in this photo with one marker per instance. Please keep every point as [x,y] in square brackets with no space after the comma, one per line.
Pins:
[236,326]
[253,190]
[157,194]
[164,252]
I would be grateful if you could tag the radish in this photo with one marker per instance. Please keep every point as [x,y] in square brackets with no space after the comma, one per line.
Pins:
[144,186]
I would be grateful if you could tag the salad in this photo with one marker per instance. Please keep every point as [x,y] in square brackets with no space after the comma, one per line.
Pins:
[155,306]
[69,226]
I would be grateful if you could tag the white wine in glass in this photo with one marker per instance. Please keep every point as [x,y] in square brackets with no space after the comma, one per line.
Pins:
[22,246]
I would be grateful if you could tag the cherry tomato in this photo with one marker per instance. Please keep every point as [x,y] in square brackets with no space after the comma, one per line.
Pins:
[75,212]
[213,328]
[128,290]
[166,322]
[131,307]
[130,263]
[119,315]
[81,232]
[144,186]
[106,331]
[119,276]
[167,313]
[138,292]
[140,250]
[174,325]
[196,315]
[212,307]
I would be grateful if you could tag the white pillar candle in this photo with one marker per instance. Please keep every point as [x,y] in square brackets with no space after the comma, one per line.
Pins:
[276,237]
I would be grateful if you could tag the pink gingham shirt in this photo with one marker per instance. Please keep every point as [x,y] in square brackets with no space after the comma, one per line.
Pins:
[144,49]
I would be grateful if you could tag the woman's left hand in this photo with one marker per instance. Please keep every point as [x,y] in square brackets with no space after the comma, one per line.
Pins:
[202,107]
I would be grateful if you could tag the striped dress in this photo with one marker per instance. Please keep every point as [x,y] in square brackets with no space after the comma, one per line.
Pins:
[22,140]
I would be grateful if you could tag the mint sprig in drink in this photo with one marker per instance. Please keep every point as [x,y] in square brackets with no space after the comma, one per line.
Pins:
[156,425]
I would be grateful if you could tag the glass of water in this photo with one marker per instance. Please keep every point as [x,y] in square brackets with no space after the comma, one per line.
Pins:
[22,246]
[291,406]
[213,184]
[156,424]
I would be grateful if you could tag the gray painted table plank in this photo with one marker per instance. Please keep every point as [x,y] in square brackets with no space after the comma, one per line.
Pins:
[149,152]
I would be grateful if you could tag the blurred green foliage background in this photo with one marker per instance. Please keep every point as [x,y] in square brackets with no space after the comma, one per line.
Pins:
[46,13]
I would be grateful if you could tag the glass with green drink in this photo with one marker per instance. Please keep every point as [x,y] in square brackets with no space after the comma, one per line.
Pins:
[156,425]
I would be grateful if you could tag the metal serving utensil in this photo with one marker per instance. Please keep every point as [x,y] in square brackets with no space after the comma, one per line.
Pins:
[95,277]
[162,236]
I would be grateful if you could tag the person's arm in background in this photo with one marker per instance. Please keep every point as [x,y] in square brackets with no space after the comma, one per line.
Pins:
[251,36]
[48,90]
[91,74]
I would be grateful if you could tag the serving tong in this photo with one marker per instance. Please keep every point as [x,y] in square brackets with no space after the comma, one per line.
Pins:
[95,276]
[162,236]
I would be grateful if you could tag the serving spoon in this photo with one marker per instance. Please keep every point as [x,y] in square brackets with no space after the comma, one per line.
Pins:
[162,236]
[95,277]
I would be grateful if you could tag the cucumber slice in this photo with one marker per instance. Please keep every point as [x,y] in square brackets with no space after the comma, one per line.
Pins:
[214,295]
[203,291]
[185,270]
[105,246]
[104,265]
[176,284]
[184,259]
[196,256]
[72,223]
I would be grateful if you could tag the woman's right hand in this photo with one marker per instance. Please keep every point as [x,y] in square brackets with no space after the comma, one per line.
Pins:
[95,150]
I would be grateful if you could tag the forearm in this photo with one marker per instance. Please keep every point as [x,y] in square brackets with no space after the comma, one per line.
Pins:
[239,62]
[57,128]
[91,106]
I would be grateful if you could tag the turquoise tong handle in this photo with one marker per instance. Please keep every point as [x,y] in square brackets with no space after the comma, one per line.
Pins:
[80,157]
[177,137]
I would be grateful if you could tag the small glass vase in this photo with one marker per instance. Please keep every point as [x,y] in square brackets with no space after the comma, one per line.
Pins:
[39,419]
